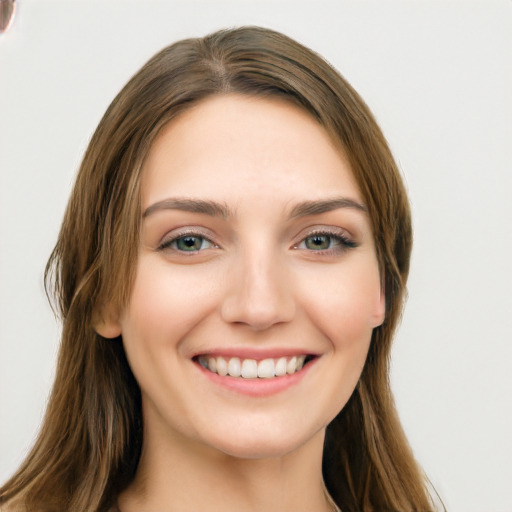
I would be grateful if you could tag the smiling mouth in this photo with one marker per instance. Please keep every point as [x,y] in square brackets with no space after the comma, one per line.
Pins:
[253,369]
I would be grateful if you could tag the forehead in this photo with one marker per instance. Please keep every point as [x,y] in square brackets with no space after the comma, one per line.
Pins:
[233,147]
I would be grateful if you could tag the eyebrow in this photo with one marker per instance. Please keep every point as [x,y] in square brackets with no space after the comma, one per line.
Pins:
[211,208]
[316,207]
[215,209]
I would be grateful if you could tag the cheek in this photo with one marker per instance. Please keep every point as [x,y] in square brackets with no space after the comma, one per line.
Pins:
[344,310]
[346,304]
[166,304]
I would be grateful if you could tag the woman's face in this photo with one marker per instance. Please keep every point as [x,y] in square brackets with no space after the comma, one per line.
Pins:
[256,257]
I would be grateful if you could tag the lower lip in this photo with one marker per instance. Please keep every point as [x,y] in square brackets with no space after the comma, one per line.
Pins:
[257,387]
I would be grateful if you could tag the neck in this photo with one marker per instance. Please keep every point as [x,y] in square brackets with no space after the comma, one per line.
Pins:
[175,476]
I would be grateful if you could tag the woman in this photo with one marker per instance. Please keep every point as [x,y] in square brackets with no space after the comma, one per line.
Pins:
[230,272]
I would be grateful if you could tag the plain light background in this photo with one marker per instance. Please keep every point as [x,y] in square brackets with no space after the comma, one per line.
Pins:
[438,76]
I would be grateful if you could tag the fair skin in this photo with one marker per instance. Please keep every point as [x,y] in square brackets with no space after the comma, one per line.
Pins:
[256,245]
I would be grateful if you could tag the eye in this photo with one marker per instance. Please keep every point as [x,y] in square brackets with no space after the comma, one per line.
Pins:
[326,242]
[318,242]
[188,243]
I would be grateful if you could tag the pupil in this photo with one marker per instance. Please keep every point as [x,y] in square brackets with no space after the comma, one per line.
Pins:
[189,243]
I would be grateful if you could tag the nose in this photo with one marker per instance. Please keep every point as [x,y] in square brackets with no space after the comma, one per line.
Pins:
[259,293]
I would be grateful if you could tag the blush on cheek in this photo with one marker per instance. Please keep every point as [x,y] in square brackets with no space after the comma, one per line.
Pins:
[166,303]
[346,321]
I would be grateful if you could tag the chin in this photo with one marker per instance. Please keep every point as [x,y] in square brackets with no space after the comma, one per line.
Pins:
[263,445]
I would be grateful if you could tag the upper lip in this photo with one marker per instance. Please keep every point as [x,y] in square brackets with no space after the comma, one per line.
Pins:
[255,353]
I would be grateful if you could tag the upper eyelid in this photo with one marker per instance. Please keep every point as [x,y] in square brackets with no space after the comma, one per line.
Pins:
[188,230]
[324,230]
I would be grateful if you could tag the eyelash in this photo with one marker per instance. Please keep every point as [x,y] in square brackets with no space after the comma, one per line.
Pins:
[338,242]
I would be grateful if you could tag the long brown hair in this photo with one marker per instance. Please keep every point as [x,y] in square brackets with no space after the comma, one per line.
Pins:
[90,442]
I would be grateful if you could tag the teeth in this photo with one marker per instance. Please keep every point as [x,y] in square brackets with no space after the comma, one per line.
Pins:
[252,369]
[266,369]
[222,366]
[280,369]
[291,365]
[234,368]
[249,369]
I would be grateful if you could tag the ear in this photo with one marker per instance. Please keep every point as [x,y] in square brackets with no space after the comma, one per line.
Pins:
[106,322]
[379,313]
